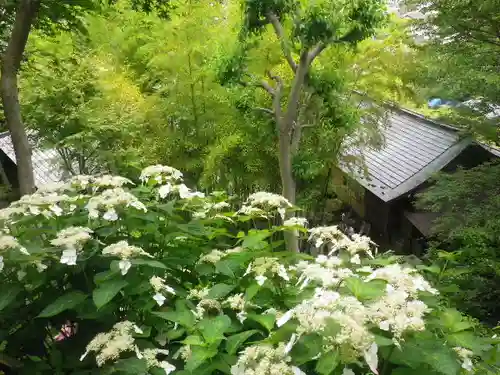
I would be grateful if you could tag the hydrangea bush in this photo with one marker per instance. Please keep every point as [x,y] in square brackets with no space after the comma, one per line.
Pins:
[103,276]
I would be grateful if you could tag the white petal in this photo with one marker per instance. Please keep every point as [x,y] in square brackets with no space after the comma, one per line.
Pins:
[159,298]
[110,215]
[371,358]
[69,257]
[84,355]
[260,279]
[249,269]
[291,343]
[297,371]
[138,330]
[348,371]
[170,290]
[282,273]
[167,367]
[124,266]
[285,318]
[242,316]
[165,190]
[384,325]
[23,251]
[355,259]
[282,212]
[1,263]
[56,210]
[138,353]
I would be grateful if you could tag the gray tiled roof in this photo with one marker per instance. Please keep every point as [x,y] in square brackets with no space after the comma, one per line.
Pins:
[46,163]
[414,149]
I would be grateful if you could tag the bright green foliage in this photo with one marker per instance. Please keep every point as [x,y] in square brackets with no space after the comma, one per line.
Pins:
[469,227]
[461,62]
[145,278]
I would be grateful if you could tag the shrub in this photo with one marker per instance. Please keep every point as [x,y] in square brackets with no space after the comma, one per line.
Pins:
[101,276]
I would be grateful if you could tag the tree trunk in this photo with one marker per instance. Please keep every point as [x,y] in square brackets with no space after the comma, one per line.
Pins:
[11,63]
[286,152]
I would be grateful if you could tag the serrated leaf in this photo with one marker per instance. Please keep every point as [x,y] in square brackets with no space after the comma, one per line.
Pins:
[148,262]
[235,341]
[364,291]
[327,363]
[265,320]
[220,291]
[106,291]
[193,340]
[65,302]
[133,366]
[213,329]
[8,294]
[224,267]
[307,349]
[185,318]
[199,354]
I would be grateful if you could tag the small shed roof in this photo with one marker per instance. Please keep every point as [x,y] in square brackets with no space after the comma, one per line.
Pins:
[46,163]
[414,148]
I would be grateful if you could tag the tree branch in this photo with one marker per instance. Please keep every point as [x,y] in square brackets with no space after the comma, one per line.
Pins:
[266,86]
[265,110]
[280,33]
[320,47]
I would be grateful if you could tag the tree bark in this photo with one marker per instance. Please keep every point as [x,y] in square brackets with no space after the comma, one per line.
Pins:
[11,62]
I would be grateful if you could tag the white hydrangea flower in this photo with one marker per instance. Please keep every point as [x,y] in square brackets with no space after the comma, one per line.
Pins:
[213,257]
[295,222]
[109,181]
[108,200]
[9,242]
[69,257]
[371,357]
[124,265]
[260,279]
[160,173]
[40,267]
[187,193]
[236,302]
[241,316]
[159,298]
[125,252]
[348,371]
[1,263]
[165,190]
[159,286]
[466,357]
[267,200]
[108,346]
[264,359]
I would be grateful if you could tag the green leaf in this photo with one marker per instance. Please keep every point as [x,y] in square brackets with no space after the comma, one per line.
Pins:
[383,341]
[134,366]
[468,340]
[65,302]
[8,294]
[251,291]
[235,341]
[225,267]
[149,263]
[185,317]
[193,340]
[200,354]
[307,348]
[174,334]
[213,329]
[364,291]
[220,291]
[255,240]
[104,276]
[327,363]
[265,320]
[106,291]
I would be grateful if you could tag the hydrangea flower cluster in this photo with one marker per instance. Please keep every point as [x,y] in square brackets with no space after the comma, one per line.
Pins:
[295,222]
[107,202]
[263,202]
[265,359]
[158,174]
[334,240]
[267,266]
[108,346]
[72,240]
[125,252]
[159,286]
[216,255]
[9,242]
